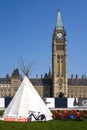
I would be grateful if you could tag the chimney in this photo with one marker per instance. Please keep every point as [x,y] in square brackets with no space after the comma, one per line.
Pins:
[41,76]
[36,76]
[76,76]
[72,76]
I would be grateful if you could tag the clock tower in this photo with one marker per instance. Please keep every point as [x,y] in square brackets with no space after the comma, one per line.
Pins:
[59,60]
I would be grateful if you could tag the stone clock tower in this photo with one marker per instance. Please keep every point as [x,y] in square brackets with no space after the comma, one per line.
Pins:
[59,60]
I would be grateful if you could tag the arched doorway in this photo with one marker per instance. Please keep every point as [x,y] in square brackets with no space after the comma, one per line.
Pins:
[61,95]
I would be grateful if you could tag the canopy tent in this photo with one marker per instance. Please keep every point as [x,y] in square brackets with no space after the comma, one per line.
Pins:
[26,99]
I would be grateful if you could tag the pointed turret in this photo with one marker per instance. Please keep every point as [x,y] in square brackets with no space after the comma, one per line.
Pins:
[59,25]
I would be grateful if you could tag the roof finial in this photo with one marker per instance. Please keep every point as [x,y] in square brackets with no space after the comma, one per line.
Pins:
[58,6]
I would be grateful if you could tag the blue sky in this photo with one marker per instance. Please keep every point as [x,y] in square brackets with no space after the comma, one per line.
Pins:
[26,29]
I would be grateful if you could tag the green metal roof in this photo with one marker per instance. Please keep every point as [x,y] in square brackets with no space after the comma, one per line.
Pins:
[59,25]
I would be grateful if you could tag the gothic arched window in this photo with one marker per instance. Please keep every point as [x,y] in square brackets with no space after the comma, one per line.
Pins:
[62,56]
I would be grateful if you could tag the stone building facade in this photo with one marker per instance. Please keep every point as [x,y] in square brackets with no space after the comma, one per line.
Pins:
[10,84]
[55,84]
[77,87]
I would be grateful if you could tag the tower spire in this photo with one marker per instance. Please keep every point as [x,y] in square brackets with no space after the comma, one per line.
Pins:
[59,25]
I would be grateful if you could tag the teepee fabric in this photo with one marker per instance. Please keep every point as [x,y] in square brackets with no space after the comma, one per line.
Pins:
[26,99]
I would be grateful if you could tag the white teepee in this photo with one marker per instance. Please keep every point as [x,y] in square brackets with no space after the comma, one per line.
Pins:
[26,99]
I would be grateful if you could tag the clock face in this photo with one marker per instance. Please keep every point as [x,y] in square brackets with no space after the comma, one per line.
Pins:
[59,35]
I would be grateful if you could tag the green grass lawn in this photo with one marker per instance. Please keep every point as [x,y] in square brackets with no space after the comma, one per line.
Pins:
[49,125]
[60,124]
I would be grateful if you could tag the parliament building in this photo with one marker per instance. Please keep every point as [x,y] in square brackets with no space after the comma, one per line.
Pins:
[55,83]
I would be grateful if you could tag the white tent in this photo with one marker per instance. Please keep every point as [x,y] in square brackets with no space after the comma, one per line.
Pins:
[26,99]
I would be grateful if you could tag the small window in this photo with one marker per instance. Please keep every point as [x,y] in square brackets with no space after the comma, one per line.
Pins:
[60,82]
[58,57]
